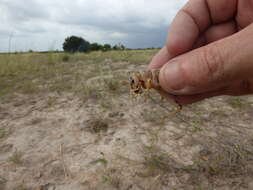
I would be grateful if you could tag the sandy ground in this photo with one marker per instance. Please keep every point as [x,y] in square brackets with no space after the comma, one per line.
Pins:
[59,142]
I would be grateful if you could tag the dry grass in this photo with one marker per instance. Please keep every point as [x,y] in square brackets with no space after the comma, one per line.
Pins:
[237,102]
[157,162]
[2,182]
[16,158]
[21,187]
[227,159]
[97,125]
[32,73]
[2,133]
[81,101]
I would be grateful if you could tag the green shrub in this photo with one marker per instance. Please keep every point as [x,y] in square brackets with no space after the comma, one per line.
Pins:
[65,58]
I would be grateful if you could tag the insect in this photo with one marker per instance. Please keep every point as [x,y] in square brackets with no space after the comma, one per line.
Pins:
[141,82]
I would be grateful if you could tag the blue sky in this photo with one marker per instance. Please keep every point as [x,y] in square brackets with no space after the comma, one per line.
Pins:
[43,25]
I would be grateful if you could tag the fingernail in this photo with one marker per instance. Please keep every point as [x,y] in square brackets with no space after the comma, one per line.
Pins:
[171,78]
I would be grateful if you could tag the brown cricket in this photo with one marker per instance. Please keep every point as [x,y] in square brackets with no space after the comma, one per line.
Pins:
[139,82]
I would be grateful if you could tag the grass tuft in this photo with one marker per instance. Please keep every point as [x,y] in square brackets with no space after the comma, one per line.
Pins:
[65,58]
[3,133]
[228,159]
[97,125]
[156,162]
[30,73]
[16,158]
[236,102]
[21,187]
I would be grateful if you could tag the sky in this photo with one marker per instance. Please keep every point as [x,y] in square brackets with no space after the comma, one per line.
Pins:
[42,25]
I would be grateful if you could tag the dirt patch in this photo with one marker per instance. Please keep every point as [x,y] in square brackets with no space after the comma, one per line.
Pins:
[75,144]
[101,138]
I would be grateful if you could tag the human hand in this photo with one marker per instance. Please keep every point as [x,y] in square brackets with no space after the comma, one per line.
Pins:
[209,51]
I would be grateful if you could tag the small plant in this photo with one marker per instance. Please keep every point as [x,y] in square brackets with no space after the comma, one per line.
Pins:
[21,187]
[89,92]
[113,180]
[112,85]
[154,115]
[50,59]
[102,160]
[2,181]
[196,126]
[28,87]
[112,176]
[2,133]
[51,101]
[156,162]
[227,160]
[65,58]
[236,102]
[106,103]
[16,158]
[97,125]
[36,121]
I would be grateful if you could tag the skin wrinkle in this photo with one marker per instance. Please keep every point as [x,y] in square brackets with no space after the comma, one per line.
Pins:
[196,21]
[215,62]
[207,57]
[209,12]
[173,49]
[235,17]
[211,70]
[251,85]
[175,45]
[245,86]
[220,31]
[215,33]
[188,99]
[200,41]
[224,6]
[242,87]
[201,29]
[244,15]
[188,79]
[233,57]
[184,11]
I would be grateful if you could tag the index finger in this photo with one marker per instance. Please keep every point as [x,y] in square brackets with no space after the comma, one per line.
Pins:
[188,25]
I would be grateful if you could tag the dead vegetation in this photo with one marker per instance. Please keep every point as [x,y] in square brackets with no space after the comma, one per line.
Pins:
[16,158]
[97,125]
[2,133]
[67,121]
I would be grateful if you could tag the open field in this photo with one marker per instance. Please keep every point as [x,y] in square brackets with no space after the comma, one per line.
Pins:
[68,122]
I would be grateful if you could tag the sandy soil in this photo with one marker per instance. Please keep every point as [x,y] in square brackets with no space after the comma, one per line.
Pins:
[56,141]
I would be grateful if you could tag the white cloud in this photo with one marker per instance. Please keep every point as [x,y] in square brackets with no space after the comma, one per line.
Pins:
[118,35]
[43,24]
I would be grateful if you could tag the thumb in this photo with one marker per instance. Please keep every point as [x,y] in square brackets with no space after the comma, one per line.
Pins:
[211,67]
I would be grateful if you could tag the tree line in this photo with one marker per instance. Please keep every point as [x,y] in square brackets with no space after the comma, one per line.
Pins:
[74,44]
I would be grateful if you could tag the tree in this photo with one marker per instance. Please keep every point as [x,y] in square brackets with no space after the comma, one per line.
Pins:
[122,47]
[119,47]
[95,47]
[107,47]
[115,47]
[75,44]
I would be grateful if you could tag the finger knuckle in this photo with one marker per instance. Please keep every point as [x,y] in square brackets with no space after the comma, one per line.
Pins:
[213,62]
[246,86]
